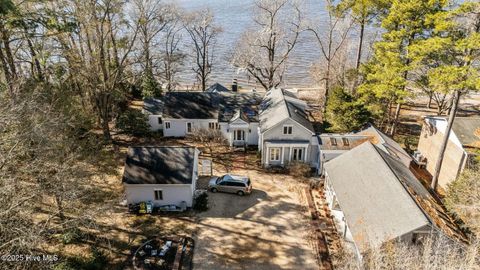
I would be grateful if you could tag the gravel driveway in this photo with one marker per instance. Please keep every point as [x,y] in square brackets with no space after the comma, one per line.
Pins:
[264,230]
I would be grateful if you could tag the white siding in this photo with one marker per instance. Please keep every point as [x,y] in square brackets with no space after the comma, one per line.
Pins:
[172,194]
[178,127]
[153,122]
[298,133]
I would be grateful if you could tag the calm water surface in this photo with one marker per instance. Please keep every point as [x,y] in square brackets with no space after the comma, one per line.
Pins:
[235,16]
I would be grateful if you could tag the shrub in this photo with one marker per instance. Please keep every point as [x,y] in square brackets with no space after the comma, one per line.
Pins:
[133,122]
[201,202]
[299,169]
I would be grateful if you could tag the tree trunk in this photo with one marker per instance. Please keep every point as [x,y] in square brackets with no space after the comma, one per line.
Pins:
[360,44]
[443,147]
[429,104]
[395,119]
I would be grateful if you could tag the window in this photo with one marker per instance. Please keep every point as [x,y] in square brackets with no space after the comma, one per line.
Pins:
[333,141]
[158,195]
[189,127]
[212,125]
[345,142]
[274,154]
[167,125]
[159,120]
[287,130]
[297,154]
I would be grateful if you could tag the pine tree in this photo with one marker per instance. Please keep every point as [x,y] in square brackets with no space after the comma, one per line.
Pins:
[450,57]
[388,71]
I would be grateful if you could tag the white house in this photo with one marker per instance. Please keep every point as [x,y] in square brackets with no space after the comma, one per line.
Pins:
[285,131]
[179,114]
[161,175]
[374,198]
[462,150]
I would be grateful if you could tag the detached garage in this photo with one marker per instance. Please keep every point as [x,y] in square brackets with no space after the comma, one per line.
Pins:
[161,175]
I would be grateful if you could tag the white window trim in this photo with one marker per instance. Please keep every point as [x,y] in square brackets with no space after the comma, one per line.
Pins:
[167,123]
[302,156]
[287,126]
[212,125]
[271,150]
[155,193]
[186,127]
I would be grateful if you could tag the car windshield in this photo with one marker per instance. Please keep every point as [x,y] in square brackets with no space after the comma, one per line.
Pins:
[219,179]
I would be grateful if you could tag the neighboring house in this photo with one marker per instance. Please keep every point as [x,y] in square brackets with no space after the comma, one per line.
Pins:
[285,132]
[375,198]
[162,175]
[463,145]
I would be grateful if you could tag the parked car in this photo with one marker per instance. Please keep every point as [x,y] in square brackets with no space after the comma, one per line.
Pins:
[240,185]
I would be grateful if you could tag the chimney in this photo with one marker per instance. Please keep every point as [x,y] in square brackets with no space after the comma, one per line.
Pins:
[234,86]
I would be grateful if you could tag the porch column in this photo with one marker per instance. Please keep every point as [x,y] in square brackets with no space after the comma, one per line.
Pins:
[231,131]
[283,155]
[306,152]
[266,155]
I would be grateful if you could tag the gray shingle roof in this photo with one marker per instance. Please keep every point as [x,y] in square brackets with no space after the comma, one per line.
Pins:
[220,105]
[159,165]
[191,105]
[387,144]
[467,130]
[153,106]
[375,204]
[275,109]
[382,199]
[246,103]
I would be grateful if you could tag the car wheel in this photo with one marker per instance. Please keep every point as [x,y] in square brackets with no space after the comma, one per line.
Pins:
[240,193]
[213,190]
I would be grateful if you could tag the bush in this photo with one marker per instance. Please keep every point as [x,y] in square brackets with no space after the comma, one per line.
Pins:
[133,122]
[299,169]
[345,113]
[201,202]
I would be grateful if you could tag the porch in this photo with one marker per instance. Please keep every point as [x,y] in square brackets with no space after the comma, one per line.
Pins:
[280,153]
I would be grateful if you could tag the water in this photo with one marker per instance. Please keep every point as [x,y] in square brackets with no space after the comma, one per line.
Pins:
[236,16]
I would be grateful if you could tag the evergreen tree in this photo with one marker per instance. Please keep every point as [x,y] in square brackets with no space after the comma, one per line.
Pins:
[450,57]
[388,71]
[344,112]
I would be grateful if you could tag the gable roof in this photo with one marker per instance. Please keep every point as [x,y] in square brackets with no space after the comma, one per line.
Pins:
[375,204]
[275,108]
[191,105]
[159,165]
[244,103]
[216,87]
[386,144]
[153,106]
[382,199]
[467,130]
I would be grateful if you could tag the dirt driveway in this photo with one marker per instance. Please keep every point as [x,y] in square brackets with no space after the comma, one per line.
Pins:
[265,230]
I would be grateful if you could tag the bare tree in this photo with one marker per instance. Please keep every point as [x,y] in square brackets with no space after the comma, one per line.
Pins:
[264,50]
[331,43]
[171,54]
[203,33]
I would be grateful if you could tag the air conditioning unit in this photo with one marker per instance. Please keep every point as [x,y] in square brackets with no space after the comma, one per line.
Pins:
[419,158]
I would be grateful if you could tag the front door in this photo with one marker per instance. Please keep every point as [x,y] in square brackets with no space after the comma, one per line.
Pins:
[239,135]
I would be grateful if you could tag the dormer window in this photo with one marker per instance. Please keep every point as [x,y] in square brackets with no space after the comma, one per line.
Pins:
[287,130]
